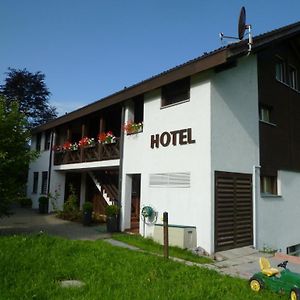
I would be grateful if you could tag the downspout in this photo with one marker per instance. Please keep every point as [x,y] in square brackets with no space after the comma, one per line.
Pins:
[50,162]
[121,160]
[255,198]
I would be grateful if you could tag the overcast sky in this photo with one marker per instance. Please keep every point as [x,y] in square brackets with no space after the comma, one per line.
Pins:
[89,49]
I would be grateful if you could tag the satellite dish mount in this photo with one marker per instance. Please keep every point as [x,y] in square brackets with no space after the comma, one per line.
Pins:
[242,27]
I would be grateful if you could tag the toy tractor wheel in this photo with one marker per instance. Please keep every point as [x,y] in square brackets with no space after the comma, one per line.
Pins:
[295,294]
[256,284]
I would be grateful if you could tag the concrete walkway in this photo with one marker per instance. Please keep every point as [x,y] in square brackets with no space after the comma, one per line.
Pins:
[244,262]
[30,221]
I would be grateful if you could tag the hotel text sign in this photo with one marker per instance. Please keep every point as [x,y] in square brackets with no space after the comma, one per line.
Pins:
[176,137]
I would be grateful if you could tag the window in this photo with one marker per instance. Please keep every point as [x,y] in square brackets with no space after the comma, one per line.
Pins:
[47,140]
[268,185]
[139,109]
[44,183]
[293,82]
[265,113]
[38,142]
[175,92]
[35,182]
[279,69]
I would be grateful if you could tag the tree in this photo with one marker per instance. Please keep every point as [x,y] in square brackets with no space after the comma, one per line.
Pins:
[15,153]
[32,94]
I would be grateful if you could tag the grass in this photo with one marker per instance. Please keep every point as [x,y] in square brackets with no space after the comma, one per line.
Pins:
[32,266]
[148,244]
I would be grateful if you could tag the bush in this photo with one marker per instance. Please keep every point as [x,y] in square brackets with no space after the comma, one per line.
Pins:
[71,210]
[112,210]
[87,207]
[25,202]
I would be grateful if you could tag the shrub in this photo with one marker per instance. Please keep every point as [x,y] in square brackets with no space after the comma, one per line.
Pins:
[25,202]
[87,207]
[112,210]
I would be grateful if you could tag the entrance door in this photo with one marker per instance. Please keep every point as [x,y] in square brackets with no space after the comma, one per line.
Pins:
[233,210]
[135,202]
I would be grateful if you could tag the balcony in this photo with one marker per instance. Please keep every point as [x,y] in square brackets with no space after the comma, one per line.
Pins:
[88,153]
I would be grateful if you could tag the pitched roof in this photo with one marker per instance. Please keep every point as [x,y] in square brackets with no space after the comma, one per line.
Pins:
[194,66]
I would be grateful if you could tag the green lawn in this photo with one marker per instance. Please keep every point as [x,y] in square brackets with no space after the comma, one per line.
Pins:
[148,244]
[31,266]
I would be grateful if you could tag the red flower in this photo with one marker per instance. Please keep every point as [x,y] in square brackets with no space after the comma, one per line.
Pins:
[102,137]
[67,145]
[83,142]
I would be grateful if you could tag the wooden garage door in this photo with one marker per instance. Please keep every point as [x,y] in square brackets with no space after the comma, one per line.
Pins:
[233,210]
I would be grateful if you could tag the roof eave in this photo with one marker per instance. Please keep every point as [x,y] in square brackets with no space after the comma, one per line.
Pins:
[194,67]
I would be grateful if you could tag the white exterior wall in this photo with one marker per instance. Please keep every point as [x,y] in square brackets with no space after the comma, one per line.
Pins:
[235,125]
[41,164]
[278,216]
[186,206]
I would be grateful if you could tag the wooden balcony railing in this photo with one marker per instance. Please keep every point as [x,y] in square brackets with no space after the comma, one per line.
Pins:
[87,154]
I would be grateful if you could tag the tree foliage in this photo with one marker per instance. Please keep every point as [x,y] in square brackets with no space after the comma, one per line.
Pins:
[15,153]
[32,94]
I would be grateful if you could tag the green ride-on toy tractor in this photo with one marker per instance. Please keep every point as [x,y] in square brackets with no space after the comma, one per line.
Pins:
[280,281]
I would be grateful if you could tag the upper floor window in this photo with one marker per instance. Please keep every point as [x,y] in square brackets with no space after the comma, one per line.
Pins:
[138,109]
[266,114]
[268,185]
[38,142]
[176,92]
[293,82]
[280,69]
[47,140]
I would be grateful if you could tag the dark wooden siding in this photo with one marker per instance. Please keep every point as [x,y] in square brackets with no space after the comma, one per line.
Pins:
[280,144]
[233,210]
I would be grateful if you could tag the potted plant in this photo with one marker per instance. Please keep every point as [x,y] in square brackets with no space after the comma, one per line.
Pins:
[112,218]
[87,208]
[131,128]
[43,204]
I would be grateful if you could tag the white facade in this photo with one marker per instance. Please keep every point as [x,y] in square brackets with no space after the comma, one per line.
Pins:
[224,122]
[39,165]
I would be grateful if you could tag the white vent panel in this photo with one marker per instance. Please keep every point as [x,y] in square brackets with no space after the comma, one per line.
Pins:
[170,180]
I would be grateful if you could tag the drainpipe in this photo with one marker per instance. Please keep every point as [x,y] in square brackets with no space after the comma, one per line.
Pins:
[50,162]
[121,159]
[255,198]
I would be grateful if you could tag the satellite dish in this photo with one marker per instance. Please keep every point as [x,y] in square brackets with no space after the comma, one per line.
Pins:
[242,23]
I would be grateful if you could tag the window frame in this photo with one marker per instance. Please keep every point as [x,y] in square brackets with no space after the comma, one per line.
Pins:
[44,184]
[293,82]
[268,185]
[47,141]
[35,183]
[180,89]
[280,62]
[38,141]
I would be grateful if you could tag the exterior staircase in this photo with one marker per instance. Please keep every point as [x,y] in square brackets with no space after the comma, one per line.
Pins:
[106,183]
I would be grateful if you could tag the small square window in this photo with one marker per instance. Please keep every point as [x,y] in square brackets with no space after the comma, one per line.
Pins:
[266,113]
[176,92]
[279,70]
[293,82]
[268,185]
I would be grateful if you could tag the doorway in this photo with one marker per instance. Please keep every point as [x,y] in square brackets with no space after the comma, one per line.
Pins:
[135,202]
